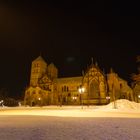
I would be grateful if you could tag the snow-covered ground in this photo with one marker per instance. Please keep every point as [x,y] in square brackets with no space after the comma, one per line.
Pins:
[71,122]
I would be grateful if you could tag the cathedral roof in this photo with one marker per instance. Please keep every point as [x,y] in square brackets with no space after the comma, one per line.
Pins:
[67,80]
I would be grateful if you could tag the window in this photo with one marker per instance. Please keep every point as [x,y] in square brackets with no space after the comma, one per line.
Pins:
[55,88]
[120,86]
[37,65]
[69,94]
[64,88]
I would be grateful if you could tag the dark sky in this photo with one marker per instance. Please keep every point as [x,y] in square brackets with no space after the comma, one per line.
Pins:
[67,34]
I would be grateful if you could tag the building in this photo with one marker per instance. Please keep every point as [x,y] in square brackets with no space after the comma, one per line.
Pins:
[92,87]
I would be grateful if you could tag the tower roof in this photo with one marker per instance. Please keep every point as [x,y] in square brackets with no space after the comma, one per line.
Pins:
[39,58]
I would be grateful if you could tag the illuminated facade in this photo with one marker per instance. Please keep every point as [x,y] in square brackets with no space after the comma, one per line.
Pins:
[46,88]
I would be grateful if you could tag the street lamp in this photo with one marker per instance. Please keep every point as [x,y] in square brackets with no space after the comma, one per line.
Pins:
[81,91]
[1,102]
[74,98]
[139,98]
[39,101]
[108,99]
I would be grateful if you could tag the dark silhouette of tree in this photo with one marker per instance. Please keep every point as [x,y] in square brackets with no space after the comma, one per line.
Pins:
[136,76]
[136,81]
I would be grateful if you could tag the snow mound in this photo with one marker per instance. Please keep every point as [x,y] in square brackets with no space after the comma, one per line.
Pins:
[123,104]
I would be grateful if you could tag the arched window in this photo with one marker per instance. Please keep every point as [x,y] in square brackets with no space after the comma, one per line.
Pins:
[67,88]
[94,90]
[69,94]
[120,86]
[64,88]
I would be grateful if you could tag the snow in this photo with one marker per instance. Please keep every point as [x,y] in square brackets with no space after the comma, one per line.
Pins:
[122,105]
[71,122]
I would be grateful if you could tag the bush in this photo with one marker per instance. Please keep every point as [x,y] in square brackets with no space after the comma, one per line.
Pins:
[10,102]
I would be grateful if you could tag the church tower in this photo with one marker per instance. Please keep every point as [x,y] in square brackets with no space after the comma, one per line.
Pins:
[38,68]
[52,71]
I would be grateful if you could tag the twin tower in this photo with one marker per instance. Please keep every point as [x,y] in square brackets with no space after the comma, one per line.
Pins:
[39,69]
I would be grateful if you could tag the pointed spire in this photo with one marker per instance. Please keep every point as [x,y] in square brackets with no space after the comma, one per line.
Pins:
[103,71]
[96,63]
[83,73]
[92,60]
[39,58]
[111,70]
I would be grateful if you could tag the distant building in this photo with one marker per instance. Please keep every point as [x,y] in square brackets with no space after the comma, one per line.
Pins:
[93,87]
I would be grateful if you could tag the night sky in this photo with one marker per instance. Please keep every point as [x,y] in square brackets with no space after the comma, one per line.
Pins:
[67,34]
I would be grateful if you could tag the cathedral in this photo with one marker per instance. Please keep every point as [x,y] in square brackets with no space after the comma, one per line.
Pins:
[93,87]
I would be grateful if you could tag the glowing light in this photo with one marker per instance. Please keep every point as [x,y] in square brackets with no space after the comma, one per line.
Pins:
[74,98]
[1,101]
[81,90]
[108,97]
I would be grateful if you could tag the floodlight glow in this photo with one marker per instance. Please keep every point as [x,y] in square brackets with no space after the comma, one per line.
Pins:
[81,90]
[108,97]
[74,98]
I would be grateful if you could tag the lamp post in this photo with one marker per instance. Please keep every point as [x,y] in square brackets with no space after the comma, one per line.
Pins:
[108,99]
[81,91]
[114,97]
[139,98]
[74,98]
[1,102]
[39,101]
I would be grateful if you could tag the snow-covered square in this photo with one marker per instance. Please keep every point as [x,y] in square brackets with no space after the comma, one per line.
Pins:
[71,122]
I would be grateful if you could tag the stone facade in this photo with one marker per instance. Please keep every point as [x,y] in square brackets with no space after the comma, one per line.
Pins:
[46,88]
